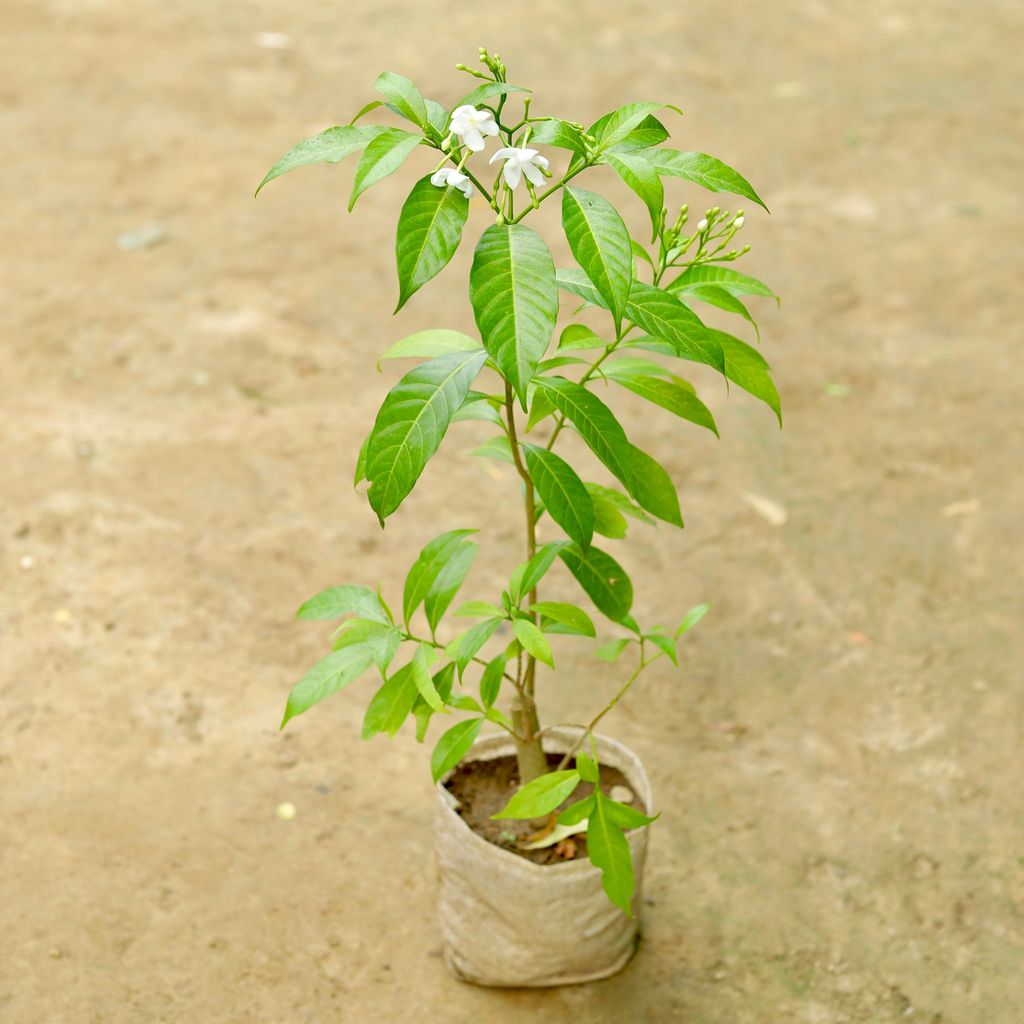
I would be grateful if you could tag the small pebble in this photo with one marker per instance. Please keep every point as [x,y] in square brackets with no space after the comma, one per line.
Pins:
[200,379]
[961,508]
[84,450]
[26,562]
[767,509]
[621,794]
[62,615]
[273,41]
[144,237]
[286,811]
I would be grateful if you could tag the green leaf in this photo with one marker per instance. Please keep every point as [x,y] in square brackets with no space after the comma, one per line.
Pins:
[334,602]
[593,420]
[383,156]
[420,668]
[540,408]
[623,503]
[491,680]
[669,394]
[563,493]
[616,126]
[465,646]
[365,109]
[664,644]
[664,316]
[719,297]
[477,407]
[575,813]
[554,132]
[541,796]
[411,424]
[515,300]
[463,702]
[626,817]
[637,366]
[641,253]
[575,281]
[707,171]
[573,619]
[609,851]
[429,231]
[533,641]
[578,336]
[405,99]
[652,487]
[390,705]
[608,520]
[691,618]
[453,746]
[443,681]
[587,767]
[380,639]
[649,132]
[497,448]
[471,609]
[327,676]
[600,244]
[432,343]
[526,576]
[328,147]
[360,473]
[486,91]
[640,175]
[612,650]
[443,590]
[746,367]
[428,568]
[438,118]
[602,578]
[731,280]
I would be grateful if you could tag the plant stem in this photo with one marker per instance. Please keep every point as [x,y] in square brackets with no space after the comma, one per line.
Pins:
[529,752]
[643,663]
[551,191]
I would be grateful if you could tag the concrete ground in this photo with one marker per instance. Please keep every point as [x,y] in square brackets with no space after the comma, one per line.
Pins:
[838,763]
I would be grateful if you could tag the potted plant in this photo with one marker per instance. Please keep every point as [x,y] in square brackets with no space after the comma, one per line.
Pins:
[541,831]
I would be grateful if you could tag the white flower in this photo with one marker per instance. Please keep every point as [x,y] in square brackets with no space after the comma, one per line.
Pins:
[519,162]
[449,176]
[738,222]
[471,125]
[703,225]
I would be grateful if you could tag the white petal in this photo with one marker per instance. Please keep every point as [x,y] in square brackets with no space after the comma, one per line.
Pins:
[513,172]
[502,154]
[466,111]
[527,154]
[466,187]
[472,138]
[533,174]
[542,162]
[440,177]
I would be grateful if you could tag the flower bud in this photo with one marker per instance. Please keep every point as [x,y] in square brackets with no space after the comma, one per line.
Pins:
[702,225]
[738,222]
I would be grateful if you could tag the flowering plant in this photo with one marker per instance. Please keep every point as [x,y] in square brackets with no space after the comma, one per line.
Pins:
[529,397]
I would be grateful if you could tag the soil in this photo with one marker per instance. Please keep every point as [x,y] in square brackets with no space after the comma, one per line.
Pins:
[483,787]
[187,374]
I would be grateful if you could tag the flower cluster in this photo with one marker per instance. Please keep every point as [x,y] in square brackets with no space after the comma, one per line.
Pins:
[470,126]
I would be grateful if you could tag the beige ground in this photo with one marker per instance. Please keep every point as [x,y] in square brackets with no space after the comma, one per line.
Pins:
[839,763]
